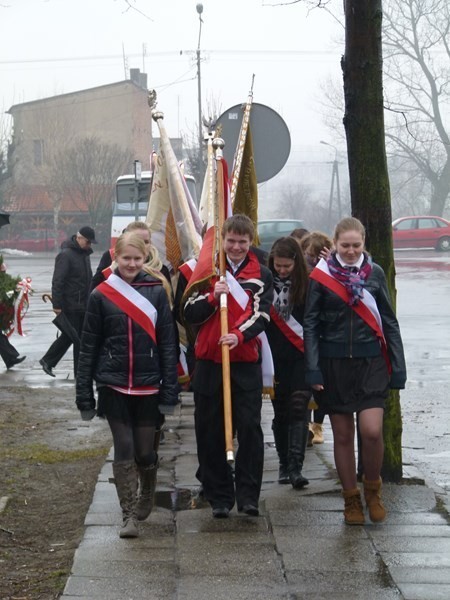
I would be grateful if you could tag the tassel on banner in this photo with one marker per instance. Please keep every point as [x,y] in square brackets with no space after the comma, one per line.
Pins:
[21,305]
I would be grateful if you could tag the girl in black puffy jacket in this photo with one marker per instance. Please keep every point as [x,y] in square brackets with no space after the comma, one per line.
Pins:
[354,354]
[128,347]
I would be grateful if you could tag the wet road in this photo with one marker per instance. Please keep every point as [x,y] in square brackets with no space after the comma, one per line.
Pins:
[423,292]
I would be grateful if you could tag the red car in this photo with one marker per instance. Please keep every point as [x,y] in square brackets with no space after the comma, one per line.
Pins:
[421,232]
[34,240]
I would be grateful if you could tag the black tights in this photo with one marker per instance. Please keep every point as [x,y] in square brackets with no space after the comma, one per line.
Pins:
[133,442]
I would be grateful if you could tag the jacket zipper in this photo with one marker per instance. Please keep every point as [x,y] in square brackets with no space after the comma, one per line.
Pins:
[351,333]
[130,353]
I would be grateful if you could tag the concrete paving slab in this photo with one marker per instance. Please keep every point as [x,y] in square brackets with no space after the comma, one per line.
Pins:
[332,555]
[430,591]
[252,562]
[438,530]
[158,585]
[412,544]
[414,575]
[350,586]
[429,560]
[131,565]
[201,521]
[228,588]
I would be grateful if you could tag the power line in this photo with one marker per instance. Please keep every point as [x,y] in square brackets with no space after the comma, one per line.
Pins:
[169,53]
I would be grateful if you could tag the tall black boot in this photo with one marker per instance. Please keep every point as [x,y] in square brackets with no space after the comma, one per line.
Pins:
[298,437]
[280,434]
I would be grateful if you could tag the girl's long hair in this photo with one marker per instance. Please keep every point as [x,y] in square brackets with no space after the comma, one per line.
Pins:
[288,247]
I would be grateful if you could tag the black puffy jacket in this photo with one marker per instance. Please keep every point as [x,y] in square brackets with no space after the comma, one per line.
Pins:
[117,351]
[71,277]
[333,329]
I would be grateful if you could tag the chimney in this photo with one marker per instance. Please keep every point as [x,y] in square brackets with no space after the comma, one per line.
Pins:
[135,76]
[143,80]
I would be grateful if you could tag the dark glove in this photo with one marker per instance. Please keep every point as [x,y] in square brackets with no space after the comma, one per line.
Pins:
[88,415]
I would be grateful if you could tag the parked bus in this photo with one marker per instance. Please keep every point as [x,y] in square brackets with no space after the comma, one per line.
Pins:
[131,200]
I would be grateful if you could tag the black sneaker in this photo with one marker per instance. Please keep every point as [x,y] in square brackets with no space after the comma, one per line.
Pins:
[16,361]
[46,368]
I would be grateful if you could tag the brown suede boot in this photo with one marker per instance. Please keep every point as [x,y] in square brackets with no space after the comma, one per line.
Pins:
[353,511]
[372,495]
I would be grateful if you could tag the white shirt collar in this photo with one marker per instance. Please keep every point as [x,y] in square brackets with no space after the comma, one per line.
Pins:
[344,264]
[234,266]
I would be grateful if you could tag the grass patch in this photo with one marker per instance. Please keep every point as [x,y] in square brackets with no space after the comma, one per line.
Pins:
[45,455]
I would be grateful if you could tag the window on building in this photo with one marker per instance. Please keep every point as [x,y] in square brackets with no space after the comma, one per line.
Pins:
[38,152]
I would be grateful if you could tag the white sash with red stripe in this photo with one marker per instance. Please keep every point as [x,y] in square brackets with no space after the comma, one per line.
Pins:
[239,295]
[291,329]
[366,308]
[131,302]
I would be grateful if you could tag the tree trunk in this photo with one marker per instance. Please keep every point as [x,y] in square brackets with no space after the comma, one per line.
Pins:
[441,191]
[369,182]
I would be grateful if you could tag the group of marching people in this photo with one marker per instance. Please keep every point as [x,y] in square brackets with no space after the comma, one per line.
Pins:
[326,316]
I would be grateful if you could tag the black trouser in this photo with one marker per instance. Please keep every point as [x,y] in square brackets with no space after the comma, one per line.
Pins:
[7,350]
[214,471]
[63,342]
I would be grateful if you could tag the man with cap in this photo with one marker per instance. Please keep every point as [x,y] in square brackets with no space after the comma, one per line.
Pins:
[70,288]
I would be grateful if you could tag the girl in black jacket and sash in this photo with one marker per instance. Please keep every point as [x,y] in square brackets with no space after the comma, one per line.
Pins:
[354,354]
[285,333]
[128,347]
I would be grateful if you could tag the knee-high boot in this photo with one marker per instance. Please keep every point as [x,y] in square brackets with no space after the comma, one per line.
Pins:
[125,477]
[280,435]
[147,486]
[298,437]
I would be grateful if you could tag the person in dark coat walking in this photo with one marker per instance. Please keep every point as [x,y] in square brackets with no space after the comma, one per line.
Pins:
[128,347]
[9,354]
[354,354]
[70,288]
[285,333]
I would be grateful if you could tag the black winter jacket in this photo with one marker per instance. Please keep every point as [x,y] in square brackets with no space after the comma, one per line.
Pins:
[333,329]
[117,351]
[286,357]
[71,277]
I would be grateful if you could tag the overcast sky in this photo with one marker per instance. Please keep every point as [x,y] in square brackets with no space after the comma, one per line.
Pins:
[57,46]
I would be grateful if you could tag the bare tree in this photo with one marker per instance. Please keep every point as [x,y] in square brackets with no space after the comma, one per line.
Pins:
[5,152]
[91,168]
[417,69]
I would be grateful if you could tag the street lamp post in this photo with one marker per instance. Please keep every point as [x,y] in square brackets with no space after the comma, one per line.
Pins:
[334,178]
[137,180]
[199,8]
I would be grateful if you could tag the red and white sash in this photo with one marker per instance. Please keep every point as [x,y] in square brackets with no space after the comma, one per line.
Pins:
[131,302]
[366,308]
[291,329]
[239,297]
[187,268]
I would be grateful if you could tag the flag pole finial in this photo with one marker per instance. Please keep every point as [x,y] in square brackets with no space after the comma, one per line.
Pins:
[218,145]
[157,115]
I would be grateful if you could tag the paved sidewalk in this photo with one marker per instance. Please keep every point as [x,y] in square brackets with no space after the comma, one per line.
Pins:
[298,548]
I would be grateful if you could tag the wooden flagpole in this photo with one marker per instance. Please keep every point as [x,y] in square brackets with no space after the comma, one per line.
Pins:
[218,145]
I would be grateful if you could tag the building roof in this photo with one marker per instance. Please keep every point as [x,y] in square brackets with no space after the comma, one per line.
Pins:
[14,107]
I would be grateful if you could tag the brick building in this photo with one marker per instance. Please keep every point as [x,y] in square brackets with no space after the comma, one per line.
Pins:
[115,114]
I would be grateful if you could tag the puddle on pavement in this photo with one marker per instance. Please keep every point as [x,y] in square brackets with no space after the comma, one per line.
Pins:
[179,499]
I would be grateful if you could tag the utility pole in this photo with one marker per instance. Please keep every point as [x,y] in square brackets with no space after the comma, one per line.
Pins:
[334,178]
[199,8]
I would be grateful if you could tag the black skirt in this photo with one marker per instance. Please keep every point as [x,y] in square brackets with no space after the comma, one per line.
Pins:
[127,408]
[353,384]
